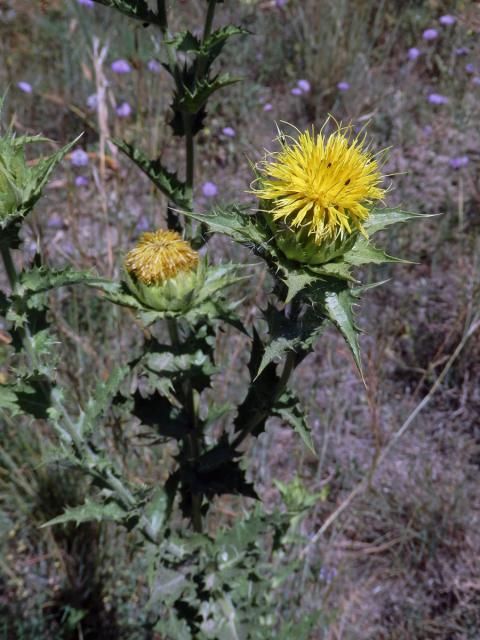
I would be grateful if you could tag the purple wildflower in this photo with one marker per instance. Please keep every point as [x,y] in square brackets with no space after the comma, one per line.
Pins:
[476,80]
[413,53]
[296,91]
[462,51]
[92,101]
[26,87]
[469,68]
[142,225]
[86,3]
[81,181]
[268,106]
[209,189]
[280,3]
[55,221]
[343,86]
[229,132]
[430,34]
[154,66]
[459,162]
[304,85]
[121,66]
[79,158]
[124,110]
[437,98]
[447,19]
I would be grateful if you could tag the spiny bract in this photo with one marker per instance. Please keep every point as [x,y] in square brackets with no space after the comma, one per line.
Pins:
[159,256]
[321,184]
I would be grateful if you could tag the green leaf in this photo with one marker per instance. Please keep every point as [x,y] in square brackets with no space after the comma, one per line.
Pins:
[286,334]
[100,401]
[381,218]
[28,395]
[90,510]
[166,181]
[21,184]
[363,252]
[289,408]
[40,279]
[235,222]
[137,9]
[338,306]
[192,101]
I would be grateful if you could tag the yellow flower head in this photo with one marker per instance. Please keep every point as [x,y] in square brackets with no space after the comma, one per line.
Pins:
[321,184]
[159,256]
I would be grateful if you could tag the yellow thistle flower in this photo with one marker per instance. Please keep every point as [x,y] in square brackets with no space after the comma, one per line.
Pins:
[160,256]
[320,184]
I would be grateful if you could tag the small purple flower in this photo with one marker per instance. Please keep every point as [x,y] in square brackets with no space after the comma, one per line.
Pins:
[26,87]
[459,162]
[413,53]
[209,189]
[343,86]
[447,20]
[79,158]
[280,3]
[124,110]
[462,51]
[86,3]
[430,34]
[296,91]
[427,130]
[304,85]
[154,66]
[92,101]
[229,132]
[268,106]
[121,66]
[81,181]
[469,68]
[142,225]
[55,221]
[437,98]
[476,80]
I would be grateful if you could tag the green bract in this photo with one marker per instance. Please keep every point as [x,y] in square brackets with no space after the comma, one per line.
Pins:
[300,246]
[177,294]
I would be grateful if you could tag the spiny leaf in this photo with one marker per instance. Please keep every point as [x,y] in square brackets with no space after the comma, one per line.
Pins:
[338,306]
[289,408]
[137,9]
[89,511]
[101,400]
[298,334]
[192,101]
[28,395]
[166,181]
[235,222]
[381,218]
[363,252]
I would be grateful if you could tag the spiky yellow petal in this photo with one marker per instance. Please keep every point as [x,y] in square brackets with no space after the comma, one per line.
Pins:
[321,183]
[159,256]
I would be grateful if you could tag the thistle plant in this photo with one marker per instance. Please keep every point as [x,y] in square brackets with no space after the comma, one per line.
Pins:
[317,212]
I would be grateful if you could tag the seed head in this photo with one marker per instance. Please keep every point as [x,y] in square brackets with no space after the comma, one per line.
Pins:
[159,256]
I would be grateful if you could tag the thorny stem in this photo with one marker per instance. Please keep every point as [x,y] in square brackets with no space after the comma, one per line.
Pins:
[69,430]
[192,443]
[209,19]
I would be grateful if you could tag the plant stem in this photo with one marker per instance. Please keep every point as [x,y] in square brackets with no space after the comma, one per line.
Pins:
[192,440]
[289,366]
[209,19]
[9,266]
